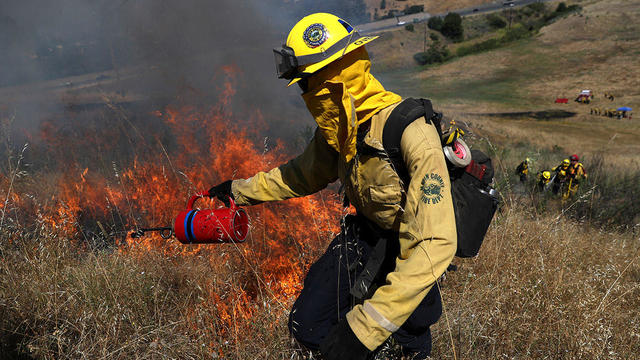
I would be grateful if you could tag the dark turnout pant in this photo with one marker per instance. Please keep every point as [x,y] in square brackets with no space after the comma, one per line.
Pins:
[326,298]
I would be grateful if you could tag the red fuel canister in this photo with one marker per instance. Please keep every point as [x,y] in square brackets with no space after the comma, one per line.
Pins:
[208,226]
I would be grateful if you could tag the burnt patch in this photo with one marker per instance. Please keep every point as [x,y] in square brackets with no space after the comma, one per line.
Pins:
[544,115]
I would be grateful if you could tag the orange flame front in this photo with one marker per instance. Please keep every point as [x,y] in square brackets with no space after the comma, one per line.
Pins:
[210,146]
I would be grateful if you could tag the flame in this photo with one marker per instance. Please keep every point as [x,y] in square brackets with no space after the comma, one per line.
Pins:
[210,146]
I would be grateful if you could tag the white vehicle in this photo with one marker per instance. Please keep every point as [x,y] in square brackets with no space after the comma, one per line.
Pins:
[509,3]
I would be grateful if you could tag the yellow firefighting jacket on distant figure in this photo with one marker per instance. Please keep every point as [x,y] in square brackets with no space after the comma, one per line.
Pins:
[577,171]
[423,215]
[523,168]
[562,172]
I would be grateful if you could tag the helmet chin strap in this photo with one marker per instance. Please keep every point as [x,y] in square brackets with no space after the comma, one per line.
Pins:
[348,42]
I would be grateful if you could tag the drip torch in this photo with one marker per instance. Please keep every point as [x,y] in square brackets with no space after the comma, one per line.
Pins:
[208,226]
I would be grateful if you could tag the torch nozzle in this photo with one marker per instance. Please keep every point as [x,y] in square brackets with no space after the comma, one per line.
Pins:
[165,232]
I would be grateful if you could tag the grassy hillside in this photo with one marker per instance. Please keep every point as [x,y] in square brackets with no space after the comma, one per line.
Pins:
[595,49]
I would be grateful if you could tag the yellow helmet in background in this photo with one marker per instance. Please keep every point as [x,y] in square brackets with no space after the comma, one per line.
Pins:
[566,162]
[313,43]
[546,175]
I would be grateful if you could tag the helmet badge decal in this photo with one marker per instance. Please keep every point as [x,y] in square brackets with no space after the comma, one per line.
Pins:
[315,35]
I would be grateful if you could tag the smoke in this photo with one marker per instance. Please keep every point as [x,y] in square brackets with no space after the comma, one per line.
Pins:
[71,56]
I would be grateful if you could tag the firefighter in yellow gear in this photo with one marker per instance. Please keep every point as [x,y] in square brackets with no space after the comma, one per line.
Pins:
[576,174]
[522,170]
[544,179]
[561,176]
[326,57]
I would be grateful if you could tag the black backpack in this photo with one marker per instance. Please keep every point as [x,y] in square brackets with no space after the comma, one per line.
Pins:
[474,200]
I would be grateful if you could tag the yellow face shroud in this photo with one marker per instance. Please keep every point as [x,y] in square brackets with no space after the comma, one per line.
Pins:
[344,95]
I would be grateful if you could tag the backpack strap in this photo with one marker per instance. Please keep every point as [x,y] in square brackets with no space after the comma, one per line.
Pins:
[404,114]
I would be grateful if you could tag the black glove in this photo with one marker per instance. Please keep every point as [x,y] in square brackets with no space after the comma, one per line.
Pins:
[342,343]
[223,192]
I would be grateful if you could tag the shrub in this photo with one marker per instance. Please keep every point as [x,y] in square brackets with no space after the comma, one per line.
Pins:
[436,53]
[414,9]
[496,21]
[388,16]
[435,23]
[478,47]
[516,32]
[383,4]
[452,27]
[537,7]
[409,27]
[562,7]
[574,7]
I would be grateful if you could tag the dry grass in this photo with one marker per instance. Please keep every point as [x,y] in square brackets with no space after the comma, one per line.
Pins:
[589,136]
[395,49]
[59,300]
[543,287]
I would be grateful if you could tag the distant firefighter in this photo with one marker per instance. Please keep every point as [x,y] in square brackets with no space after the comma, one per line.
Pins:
[544,180]
[576,174]
[523,170]
[561,175]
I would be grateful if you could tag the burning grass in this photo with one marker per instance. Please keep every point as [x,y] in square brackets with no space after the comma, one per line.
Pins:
[74,285]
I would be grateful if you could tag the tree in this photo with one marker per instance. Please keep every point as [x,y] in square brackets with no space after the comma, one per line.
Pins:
[414,9]
[436,53]
[452,27]
[435,23]
[562,7]
[496,21]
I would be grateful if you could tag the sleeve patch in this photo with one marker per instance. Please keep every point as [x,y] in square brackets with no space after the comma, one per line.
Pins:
[431,188]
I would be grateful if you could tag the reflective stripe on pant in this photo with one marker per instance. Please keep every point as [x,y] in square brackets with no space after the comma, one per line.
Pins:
[325,298]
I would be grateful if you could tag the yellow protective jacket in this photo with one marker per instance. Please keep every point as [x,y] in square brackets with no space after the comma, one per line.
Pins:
[423,215]
[577,171]
[562,172]
[522,168]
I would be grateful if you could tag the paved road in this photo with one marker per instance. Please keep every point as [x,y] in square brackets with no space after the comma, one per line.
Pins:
[420,17]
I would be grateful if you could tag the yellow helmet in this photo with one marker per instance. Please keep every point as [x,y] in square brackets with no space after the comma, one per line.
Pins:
[527,160]
[546,175]
[314,42]
[566,162]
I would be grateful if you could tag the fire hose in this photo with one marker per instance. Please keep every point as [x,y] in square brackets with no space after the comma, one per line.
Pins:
[206,226]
